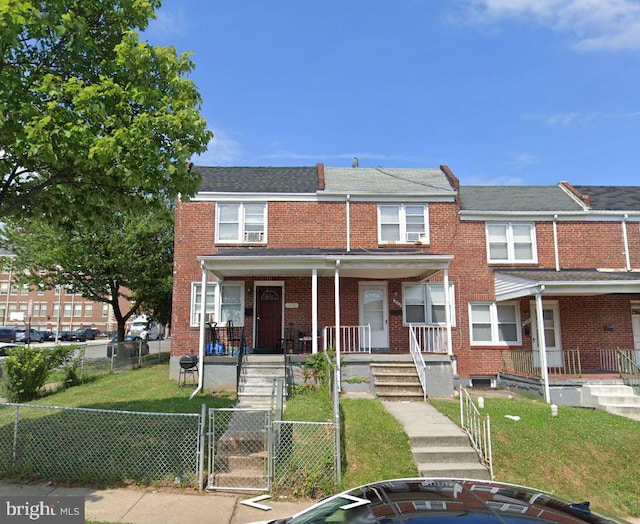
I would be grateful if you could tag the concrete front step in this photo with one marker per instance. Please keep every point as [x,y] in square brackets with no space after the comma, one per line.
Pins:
[392,367]
[618,400]
[470,470]
[255,401]
[444,454]
[449,439]
[255,461]
[241,479]
[400,396]
[396,378]
[632,412]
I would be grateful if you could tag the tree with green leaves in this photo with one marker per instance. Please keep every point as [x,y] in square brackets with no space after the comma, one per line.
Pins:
[89,113]
[129,255]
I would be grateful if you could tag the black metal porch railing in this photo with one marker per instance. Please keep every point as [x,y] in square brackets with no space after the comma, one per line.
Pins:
[629,368]
[223,340]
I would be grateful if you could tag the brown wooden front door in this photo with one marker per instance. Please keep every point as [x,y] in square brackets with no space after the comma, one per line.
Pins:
[268,317]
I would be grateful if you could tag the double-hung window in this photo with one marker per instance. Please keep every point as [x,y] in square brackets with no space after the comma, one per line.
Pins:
[511,242]
[494,323]
[425,304]
[403,223]
[243,222]
[229,307]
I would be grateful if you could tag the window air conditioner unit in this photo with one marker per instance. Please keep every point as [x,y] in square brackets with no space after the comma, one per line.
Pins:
[253,236]
[418,238]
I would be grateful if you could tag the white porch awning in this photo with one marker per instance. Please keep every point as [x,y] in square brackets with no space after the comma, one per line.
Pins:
[515,283]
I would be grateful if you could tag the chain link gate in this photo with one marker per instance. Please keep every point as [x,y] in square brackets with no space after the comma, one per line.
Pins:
[239,449]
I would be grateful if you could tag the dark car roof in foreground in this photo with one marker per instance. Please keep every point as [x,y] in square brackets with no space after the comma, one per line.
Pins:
[445,500]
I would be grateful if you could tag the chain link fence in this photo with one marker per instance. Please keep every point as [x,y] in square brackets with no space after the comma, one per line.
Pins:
[100,446]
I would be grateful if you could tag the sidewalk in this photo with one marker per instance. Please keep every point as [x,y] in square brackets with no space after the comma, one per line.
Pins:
[147,506]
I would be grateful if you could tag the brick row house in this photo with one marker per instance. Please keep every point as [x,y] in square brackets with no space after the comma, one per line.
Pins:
[478,283]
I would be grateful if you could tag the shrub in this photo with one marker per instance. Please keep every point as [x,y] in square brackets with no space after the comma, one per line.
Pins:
[27,370]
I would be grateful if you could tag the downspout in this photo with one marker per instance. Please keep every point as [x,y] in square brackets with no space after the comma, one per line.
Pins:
[203,309]
[627,260]
[542,345]
[336,285]
[555,242]
[348,223]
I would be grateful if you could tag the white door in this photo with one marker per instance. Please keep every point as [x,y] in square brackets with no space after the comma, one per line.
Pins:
[553,342]
[374,311]
[635,322]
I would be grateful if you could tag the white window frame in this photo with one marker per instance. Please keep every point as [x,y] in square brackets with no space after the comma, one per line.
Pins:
[246,232]
[428,311]
[495,325]
[510,242]
[403,234]
[214,311]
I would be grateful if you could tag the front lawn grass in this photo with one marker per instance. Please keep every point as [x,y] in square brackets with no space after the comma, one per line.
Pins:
[582,454]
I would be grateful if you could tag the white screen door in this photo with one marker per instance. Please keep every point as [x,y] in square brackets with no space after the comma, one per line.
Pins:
[551,315]
[374,311]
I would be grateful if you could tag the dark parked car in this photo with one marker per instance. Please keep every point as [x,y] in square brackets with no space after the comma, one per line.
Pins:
[89,333]
[131,345]
[28,335]
[445,500]
[72,336]
[48,336]
[7,334]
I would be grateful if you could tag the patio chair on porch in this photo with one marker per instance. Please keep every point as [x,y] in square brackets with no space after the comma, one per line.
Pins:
[234,336]
[288,343]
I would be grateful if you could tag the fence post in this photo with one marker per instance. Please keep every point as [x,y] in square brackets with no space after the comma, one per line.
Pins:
[201,439]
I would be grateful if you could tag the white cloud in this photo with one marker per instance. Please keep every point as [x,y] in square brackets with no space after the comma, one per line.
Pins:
[523,160]
[167,23]
[222,150]
[591,24]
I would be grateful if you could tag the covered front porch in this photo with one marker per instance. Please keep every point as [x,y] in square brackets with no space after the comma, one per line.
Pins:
[584,328]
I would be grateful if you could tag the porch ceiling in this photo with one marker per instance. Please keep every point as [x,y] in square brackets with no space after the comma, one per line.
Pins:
[376,264]
[515,283]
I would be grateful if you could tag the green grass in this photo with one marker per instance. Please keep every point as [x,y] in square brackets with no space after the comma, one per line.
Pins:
[581,454]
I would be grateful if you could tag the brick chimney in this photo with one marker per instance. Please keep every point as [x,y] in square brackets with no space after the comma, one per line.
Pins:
[320,169]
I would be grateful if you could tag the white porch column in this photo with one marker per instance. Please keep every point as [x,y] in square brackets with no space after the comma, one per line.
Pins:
[542,345]
[203,309]
[336,285]
[314,310]
[447,312]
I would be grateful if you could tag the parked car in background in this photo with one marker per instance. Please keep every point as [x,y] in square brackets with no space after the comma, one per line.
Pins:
[48,336]
[89,333]
[131,345]
[72,336]
[28,335]
[7,334]
[445,500]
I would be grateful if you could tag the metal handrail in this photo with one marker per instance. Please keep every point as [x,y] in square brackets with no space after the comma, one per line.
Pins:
[478,428]
[418,360]
[629,370]
[240,359]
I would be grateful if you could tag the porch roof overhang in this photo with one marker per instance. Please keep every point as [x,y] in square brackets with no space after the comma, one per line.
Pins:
[515,283]
[371,264]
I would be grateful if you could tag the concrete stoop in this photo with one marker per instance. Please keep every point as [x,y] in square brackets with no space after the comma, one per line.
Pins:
[256,379]
[617,399]
[396,381]
[439,447]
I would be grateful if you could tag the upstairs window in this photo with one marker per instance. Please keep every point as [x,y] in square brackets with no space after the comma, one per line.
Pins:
[403,223]
[511,243]
[425,304]
[243,223]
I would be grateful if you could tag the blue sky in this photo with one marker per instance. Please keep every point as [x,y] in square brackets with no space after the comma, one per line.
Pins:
[501,91]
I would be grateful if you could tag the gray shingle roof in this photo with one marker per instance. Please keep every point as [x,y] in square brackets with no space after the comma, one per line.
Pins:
[516,198]
[572,275]
[387,181]
[612,198]
[258,179]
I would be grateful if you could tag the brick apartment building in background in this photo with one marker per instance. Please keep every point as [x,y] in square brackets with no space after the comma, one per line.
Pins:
[46,309]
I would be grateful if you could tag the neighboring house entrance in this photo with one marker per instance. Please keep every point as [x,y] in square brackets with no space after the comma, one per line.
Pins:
[268,317]
[635,323]
[553,342]
[374,311]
